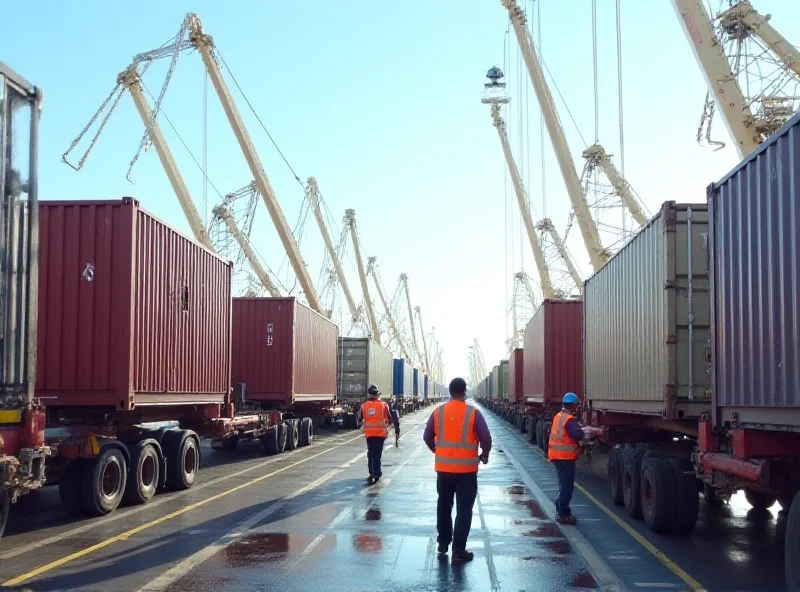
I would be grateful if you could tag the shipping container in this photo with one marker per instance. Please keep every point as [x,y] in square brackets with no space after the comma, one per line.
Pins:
[402,379]
[754,244]
[426,386]
[495,377]
[504,379]
[416,382]
[553,358]
[515,367]
[646,320]
[363,362]
[131,312]
[284,353]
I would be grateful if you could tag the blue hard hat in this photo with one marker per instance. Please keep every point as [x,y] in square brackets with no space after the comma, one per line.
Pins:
[570,399]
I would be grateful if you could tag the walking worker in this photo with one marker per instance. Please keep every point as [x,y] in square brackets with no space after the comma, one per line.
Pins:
[376,417]
[453,433]
[563,450]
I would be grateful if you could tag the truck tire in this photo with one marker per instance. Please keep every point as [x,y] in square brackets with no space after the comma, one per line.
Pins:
[5,506]
[183,459]
[282,434]
[349,421]
[760,500]
[659,494]
[632,481]
[144,474]
[532,421]
[306,434]
[270,440]
[546,427]
[614,471]
[69,487]
[688,498]
[791,548]
[230,443]
[292,437]
[104,480]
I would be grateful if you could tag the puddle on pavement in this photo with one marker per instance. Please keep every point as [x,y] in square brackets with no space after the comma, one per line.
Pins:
[368,543]
[551,560]
[583,579]
[533,507]
[518,490]
[257,547]
[373,514]
[545,531]
[557,547]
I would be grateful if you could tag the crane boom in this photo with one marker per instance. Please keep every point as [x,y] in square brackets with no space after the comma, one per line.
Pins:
[591,238]
[598,155]
[720,78]
[389,317]
[426,359]
[404,280]
[522,201]
[129,78]
[221,211]
[204,45]
[759,26]
[546,225]
[312,191]
[350,216]
[526,281]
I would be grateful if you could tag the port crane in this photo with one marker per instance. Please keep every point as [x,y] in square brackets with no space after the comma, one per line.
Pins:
[372,269]
[404,282]
[350,220]
[418,312]
[191,36]
[740,22]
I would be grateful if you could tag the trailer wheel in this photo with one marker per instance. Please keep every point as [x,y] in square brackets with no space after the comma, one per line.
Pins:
[614,471]
[230,443]
[282,433]
[539,426]
[546,427]
[104,480]
[5,506]
[631,482]
[143,474]
[292,436]
[183,458]
[349,421]
[688,498]
[532,422]
[270,440]
[659,494]
[791,548]
[69,487]
[306,435]
[760,500]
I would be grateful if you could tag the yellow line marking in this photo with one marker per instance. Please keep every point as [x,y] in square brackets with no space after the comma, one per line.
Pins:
[660,555]
[134,531]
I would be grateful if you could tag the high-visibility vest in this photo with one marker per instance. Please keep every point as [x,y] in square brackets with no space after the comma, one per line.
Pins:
[561,446]
[456,442]
[376,419]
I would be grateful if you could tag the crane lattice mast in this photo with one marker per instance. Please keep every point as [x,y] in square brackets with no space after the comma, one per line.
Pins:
[426,359]
[312,191]
[404,282]
[596,156]
[350,218]
[371,269]
[591,238]
[546,225]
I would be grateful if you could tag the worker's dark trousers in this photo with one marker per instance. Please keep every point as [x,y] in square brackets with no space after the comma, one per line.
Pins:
[565,469]
[464,487]
[374,453]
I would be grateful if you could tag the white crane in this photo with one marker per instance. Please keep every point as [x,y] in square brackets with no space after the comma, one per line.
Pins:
[373,271]
[591,238]
[546,225]
[350,218]
[596,156]
[312,191]
[426,359]
[404,282]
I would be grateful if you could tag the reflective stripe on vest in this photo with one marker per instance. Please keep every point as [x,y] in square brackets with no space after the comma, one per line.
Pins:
[560,445]
[456,456]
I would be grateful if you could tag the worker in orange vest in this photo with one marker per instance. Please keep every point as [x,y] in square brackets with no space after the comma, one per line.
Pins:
[376,417]
[563,450]
[453,433]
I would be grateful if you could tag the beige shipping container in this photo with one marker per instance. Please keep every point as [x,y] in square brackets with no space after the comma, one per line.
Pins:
[646,321]
[363,362]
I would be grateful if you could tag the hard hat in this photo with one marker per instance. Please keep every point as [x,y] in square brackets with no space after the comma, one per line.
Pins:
[570,399]
[373,391]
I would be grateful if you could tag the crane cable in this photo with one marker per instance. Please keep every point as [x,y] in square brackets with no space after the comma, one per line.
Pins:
[594,66]
[619,90]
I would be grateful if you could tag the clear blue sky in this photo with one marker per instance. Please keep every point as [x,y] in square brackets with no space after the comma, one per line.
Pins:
[380,102]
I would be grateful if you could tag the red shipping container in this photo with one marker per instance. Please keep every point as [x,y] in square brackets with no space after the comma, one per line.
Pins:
[515,368]
[131,313]
[283,352]
[553,357]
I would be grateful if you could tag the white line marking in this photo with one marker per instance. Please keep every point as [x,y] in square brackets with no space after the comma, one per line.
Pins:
[655,585]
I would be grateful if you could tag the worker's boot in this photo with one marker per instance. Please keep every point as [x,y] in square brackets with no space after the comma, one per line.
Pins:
[371,480]
[443,550]
[567,520]
[462,556]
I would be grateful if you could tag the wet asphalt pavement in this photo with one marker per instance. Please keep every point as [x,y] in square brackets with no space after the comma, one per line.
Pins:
[306,520]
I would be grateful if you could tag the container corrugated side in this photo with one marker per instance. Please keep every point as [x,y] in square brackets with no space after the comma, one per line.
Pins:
[363,362]
[402,378]
[495,375]
[755,266]
[416,382]
[284,352]
[504,379]
[380,368]
[553,358]
[637,326]
[130,311]
[515,369]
